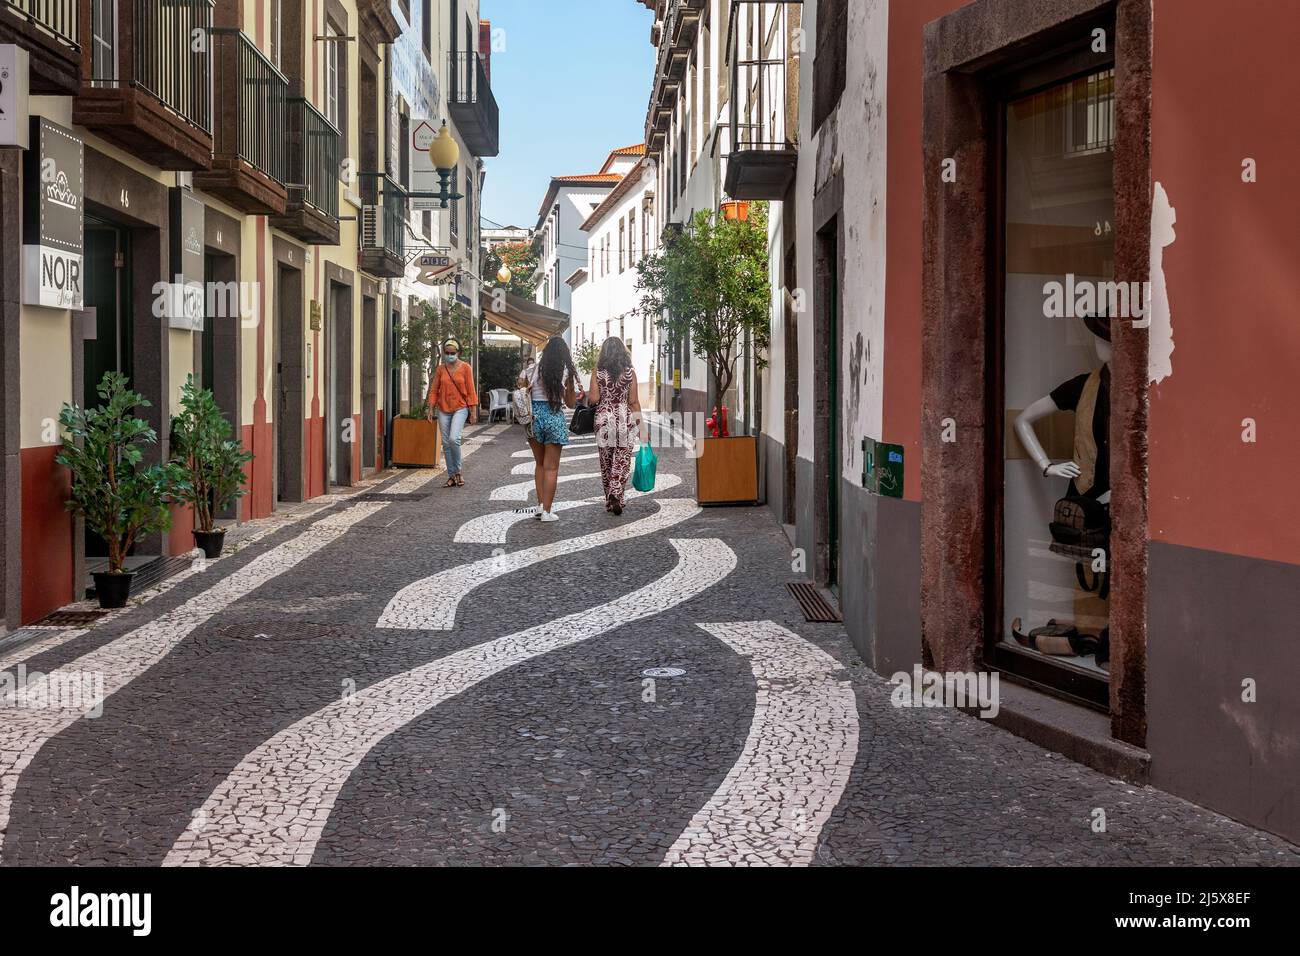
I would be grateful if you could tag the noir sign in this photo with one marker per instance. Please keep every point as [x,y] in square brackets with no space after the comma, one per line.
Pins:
[54,175]
[187,225]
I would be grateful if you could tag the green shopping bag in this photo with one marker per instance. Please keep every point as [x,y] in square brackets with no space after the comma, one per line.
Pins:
[643,469]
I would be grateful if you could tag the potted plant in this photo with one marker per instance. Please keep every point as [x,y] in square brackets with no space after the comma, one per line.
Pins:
[709,283]
[210,465]
[120,498]
[586,355]
[416,442]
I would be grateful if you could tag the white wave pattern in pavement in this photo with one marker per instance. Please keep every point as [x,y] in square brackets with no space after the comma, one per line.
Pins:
[521,491]
[527,467]
[24,732]
[803,739]
[29,650]
[430,604]
[273,808]
[495,527]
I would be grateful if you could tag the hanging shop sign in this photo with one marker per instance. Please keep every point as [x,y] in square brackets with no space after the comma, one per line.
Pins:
[424,177]
[54,177]
[14,120]
[186,309]
[437,270]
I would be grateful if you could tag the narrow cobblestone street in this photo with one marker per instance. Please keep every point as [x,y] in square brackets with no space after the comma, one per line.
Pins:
[409,674]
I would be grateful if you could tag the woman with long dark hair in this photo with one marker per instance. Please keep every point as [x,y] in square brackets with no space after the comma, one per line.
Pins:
[553,382]
[614,392]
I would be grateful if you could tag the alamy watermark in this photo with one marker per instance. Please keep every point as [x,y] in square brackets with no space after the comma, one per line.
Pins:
[80,691]
[961,689]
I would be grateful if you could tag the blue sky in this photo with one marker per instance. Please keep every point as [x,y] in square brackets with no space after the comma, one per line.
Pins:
[572,84]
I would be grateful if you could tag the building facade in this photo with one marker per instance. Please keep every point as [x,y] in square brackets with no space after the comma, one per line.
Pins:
[558,239]
[1001,236]
[213,217]
[620,231]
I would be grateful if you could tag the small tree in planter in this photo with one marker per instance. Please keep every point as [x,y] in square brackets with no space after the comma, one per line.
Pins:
[120,499]
[710,283]
[419,341]
[210,465]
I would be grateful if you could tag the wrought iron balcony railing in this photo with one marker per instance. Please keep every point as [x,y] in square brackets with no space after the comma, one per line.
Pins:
[473,107]
[146,80]
[59,17]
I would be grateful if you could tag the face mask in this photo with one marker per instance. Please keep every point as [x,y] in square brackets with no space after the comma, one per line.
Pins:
[449,357]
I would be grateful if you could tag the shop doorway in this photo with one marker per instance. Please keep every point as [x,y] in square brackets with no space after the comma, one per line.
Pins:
[829,401]
[369,385]
[394,402]
[107,265]
[791,356]
[339,427]
[288,356]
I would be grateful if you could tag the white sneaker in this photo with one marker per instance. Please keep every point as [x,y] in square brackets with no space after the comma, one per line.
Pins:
[549,516]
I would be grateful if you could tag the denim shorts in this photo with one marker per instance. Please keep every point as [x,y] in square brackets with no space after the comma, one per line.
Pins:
[549,427]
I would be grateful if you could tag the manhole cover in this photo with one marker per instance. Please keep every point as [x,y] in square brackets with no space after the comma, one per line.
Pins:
[70,618]
[662,672]
[280,630]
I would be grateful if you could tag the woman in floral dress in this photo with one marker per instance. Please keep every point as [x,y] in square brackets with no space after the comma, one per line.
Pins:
[618,418]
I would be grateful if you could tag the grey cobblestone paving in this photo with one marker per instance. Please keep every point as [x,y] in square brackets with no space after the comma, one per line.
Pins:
[565,758]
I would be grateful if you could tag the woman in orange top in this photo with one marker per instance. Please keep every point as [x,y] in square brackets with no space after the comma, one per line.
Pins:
[452,396]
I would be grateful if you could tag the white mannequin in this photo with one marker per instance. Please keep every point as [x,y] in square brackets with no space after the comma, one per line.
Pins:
[1041,409]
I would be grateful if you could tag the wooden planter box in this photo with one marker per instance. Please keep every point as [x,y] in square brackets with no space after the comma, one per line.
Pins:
[726,473]
[417,443]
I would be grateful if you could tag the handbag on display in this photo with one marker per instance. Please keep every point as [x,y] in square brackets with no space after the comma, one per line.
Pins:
[1079,526]
[521,402]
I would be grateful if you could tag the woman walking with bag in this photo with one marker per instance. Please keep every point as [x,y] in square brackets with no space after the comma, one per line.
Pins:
[552,383]
[453,397]
[618,418]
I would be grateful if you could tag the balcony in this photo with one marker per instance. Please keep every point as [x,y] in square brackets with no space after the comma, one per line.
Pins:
[251,103]
[473,107]
[762,160]
[383,226]
[311,211]
[145,88]
[49,30]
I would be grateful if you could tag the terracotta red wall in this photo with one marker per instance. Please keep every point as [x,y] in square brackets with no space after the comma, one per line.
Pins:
[180,540]
[902,385]
[1233,271]
[47,534]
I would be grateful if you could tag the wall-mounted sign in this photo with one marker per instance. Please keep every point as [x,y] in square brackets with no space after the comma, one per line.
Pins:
[882,468]
[14,122]
[186,234]
[54,178]
[314,316]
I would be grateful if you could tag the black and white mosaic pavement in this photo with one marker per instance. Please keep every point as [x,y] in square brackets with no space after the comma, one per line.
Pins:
[434,678]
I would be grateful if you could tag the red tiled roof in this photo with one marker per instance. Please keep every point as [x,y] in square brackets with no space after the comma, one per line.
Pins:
[616,194]
[589,178]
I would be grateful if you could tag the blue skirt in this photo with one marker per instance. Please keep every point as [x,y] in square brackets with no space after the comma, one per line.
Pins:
[549,427]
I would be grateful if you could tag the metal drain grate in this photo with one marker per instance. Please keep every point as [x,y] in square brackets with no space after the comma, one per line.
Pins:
[278,630]
[70,619]
[815,607]
[392,496]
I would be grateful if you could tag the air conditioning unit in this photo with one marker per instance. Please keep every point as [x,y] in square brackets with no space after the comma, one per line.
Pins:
[372,227]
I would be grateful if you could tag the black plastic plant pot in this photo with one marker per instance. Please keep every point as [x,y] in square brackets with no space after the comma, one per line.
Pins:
[112,589]
[211,542]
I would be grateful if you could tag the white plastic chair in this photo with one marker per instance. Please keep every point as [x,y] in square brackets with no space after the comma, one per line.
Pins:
[499,401]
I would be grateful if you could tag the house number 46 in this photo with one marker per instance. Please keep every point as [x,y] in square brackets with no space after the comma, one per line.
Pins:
[126,197]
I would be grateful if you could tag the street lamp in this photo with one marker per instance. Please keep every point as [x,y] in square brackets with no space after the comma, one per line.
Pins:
[445,154]
[504,274]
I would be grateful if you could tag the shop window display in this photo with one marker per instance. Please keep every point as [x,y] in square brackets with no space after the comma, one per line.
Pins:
[1060,301]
